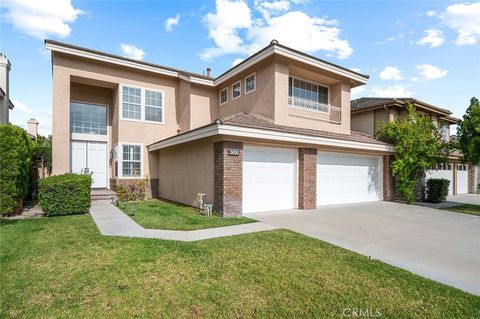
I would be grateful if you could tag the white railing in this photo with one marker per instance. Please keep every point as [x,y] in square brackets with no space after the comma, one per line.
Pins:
[314,110]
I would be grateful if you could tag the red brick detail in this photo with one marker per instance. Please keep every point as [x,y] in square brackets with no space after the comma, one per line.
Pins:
[307,178]
[388,179]
[228,175]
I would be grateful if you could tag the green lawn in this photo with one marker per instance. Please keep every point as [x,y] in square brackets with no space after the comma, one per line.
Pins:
[61,267]
[162,215]
[466,209]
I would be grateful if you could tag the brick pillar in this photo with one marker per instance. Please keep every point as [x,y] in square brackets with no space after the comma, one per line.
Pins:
[473,180]
[307,178]
[388,180]
[228,162]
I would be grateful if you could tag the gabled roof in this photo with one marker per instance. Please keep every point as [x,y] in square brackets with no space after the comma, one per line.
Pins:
[371,103]
[273,48]
[255,126]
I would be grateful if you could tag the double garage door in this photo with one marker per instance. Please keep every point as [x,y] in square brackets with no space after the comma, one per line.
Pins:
[446,171]
[270,178]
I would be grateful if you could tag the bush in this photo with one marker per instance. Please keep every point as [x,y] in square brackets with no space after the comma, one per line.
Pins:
[437,190]
[15,167]
[65,194]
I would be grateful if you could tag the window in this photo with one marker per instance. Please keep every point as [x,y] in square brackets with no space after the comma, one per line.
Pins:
[142,104]
[132,104]
[223,96]
[236,90]
[88,118]
[305,90]
[131,160]
[250,83]
[153,106]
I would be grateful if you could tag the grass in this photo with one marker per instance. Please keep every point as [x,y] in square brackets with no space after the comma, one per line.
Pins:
[61,267]
[465,209]
[172,216]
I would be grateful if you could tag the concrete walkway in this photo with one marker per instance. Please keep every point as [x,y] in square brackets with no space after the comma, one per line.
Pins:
[111,221]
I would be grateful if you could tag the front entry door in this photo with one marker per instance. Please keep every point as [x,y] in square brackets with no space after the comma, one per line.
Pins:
[90,157]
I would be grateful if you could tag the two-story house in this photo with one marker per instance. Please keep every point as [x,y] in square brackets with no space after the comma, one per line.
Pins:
[271,133]
[369,114]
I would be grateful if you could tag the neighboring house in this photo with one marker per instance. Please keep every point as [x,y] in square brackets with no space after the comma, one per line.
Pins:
[271,133]
[369,114]
[5,104]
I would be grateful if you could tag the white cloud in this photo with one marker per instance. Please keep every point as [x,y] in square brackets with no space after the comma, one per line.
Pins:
[237,61]
[171,22]
[357,90]
[391,73]
[433,38]
[414,79]
[132,52]
[430,13]
[396,90]
[22,107]
[356,70]
[430,72]
[234,30]
[41,19]
[464,18]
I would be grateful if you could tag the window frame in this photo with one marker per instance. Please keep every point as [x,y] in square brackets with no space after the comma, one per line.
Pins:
[120,160]
[220,96]
[240,92]
[254,74]
[88,103]
[311,82]
[142,104]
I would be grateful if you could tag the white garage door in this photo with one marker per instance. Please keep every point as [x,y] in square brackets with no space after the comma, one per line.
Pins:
[462,179]
[269,179]
[345,178]
[443,171]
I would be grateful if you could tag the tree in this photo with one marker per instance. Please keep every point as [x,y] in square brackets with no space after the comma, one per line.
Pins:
[42,154]
[468,133]
[417,146]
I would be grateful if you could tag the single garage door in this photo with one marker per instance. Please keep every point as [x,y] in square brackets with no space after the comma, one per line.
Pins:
[346,178]
[462,178]
[443,171]
[269,179]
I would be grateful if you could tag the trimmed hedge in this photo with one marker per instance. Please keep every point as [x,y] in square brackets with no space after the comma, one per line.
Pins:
[16,149]
[65,194]
[437,190]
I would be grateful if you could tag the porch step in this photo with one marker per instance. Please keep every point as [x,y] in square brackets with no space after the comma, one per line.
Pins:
[102,194]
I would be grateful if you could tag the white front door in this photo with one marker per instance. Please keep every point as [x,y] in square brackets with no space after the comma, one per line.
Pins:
[348,178]
[90,157]
[269,179]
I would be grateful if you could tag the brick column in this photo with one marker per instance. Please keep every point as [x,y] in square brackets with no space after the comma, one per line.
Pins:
[307,178]
[228,162]
[388,180]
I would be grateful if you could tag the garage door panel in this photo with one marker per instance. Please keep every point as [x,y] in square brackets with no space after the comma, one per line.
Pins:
[269,179]
[345,178]
[462,178]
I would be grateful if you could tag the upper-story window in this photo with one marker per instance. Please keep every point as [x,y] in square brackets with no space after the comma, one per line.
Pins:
[250,83]
[443,131]
[236,90]
[305,90]
[88,118]
[142,104]
[224,96]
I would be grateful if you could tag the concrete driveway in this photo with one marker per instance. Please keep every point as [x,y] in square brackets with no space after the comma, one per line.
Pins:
[465,199]
[439,245]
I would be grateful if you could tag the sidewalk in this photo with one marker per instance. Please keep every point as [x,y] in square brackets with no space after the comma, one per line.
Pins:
[111,221]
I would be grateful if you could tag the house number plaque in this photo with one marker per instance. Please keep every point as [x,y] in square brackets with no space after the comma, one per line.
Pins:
[233,152]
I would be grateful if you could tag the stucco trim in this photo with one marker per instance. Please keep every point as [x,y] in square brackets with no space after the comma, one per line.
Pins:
[232,130]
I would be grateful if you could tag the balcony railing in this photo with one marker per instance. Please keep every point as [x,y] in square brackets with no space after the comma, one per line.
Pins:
[313,110]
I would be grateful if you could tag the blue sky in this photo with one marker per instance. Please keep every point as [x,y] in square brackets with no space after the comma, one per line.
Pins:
[426,49]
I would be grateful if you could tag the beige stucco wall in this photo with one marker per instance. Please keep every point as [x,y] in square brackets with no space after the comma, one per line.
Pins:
[363,122]
[260,101]
[185,171]
[382,116]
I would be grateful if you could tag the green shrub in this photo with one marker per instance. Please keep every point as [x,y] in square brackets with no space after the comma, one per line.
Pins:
[15,167]
[437,190]
[65,194]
